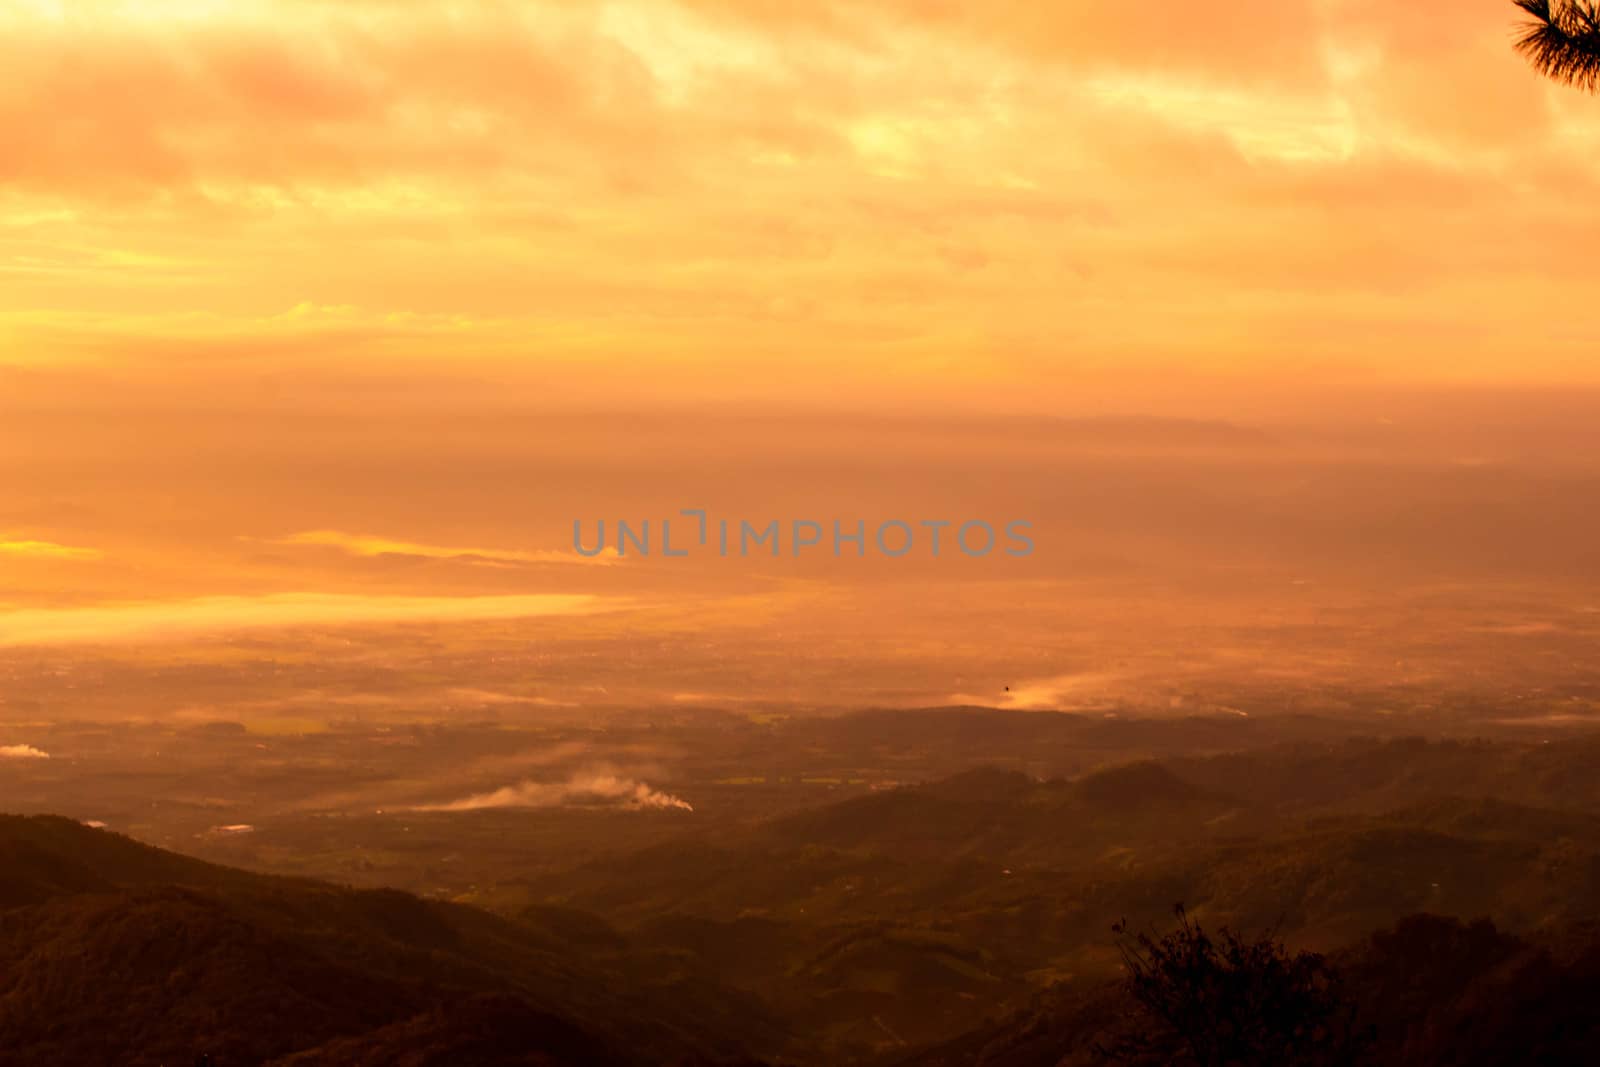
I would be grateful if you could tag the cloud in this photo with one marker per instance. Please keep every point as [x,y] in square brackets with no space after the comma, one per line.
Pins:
[637,201]
[161,619]
[1255,38]
[587,788]
[47,550]
[369,546]
[278,95]
[1083,689]
[22,752]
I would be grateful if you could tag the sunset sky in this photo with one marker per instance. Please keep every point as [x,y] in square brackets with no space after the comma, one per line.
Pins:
[272,270]
[995,205]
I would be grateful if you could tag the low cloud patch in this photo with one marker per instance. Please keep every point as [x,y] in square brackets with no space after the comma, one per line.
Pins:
[587,789]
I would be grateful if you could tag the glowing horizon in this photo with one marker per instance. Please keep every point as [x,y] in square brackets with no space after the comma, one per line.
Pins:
[288,286]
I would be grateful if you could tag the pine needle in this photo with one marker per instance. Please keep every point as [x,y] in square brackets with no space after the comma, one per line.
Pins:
[1562,40]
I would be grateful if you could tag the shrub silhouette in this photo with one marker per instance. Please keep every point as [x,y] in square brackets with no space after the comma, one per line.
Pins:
[1226,1001]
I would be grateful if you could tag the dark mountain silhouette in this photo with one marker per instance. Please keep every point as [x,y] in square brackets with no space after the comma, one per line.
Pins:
[1427,990]
[1006,815]
[961,920]
[485,1030]
[1369,775]
[114,952]
[872,907]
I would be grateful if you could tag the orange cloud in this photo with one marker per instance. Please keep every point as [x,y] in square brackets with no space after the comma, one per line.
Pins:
[714,201]
[361,545]
[47,550]
[144,621]
[1252,37]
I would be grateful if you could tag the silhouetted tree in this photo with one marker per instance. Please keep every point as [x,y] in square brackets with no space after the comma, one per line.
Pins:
[1562,40]
[1225,1001]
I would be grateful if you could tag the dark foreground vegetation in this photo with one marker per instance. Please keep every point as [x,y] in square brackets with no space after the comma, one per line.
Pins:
[1364,902]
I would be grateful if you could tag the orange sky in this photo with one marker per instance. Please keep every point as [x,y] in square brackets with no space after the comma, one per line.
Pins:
[1002,204]
[270,271]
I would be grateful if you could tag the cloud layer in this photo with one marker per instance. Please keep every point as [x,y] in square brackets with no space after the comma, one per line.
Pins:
[46,550]
[369,546]
[722,200]
[204,615]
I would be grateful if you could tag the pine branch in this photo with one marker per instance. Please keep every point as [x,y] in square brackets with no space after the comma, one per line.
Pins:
[1562,40]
